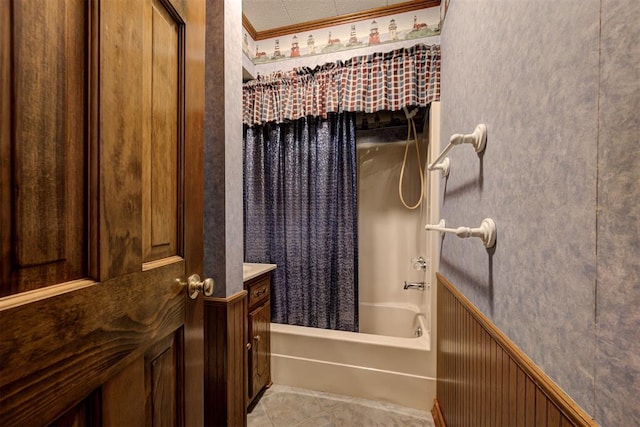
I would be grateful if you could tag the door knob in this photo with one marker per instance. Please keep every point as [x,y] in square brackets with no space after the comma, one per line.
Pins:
[194,286]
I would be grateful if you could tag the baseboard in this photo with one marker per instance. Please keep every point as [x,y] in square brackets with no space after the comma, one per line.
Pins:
[436,412]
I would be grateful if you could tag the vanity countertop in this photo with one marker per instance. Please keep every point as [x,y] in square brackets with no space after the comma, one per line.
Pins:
[251,270]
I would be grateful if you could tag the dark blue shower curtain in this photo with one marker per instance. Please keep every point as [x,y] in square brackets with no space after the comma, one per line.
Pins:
[300,210]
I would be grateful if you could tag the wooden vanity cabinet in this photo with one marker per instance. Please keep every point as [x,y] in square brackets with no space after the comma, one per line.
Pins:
[258,337]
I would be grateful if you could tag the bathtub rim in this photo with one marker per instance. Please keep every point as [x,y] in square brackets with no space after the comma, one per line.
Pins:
[382,368]
[418,343]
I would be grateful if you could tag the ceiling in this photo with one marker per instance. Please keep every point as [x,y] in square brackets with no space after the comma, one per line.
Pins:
[268,15]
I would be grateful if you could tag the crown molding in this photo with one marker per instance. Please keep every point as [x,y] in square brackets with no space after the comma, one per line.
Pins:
[337,20]
[247,26]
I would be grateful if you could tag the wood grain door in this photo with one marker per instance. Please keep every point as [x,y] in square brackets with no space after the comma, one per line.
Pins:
[101,141]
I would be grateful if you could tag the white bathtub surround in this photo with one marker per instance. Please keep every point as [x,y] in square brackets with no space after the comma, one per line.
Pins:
[392,366]
[390,237]
[397,321]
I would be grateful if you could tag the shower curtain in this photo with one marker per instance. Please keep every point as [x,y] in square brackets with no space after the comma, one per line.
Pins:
[300,213]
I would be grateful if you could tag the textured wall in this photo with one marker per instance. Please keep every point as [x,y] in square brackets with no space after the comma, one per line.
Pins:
[618,232]
[223,250]
[560,178]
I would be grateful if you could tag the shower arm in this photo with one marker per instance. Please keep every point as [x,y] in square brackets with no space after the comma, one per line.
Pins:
[486,231]
[478,139]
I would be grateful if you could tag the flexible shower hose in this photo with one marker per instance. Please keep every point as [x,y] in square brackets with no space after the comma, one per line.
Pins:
[411,126]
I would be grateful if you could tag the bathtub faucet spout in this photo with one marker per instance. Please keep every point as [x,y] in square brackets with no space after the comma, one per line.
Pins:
[414,285]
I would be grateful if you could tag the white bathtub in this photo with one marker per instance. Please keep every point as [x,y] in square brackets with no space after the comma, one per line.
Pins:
[391,365]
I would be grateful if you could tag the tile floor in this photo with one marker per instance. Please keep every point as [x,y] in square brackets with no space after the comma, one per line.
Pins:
[283,406]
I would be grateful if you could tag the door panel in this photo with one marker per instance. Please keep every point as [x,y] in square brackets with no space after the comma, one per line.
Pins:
[123,397]
[47,196]
[146,391]
[164,142]
[81,414]
[164,398]
[120,136]
[96,225]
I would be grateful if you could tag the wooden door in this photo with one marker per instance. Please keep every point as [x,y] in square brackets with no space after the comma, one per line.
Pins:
[101,140]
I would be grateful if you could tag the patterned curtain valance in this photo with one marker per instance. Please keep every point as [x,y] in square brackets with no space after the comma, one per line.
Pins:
[370,83]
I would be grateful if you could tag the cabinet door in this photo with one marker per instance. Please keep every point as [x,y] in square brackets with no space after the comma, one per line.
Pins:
[259,362]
